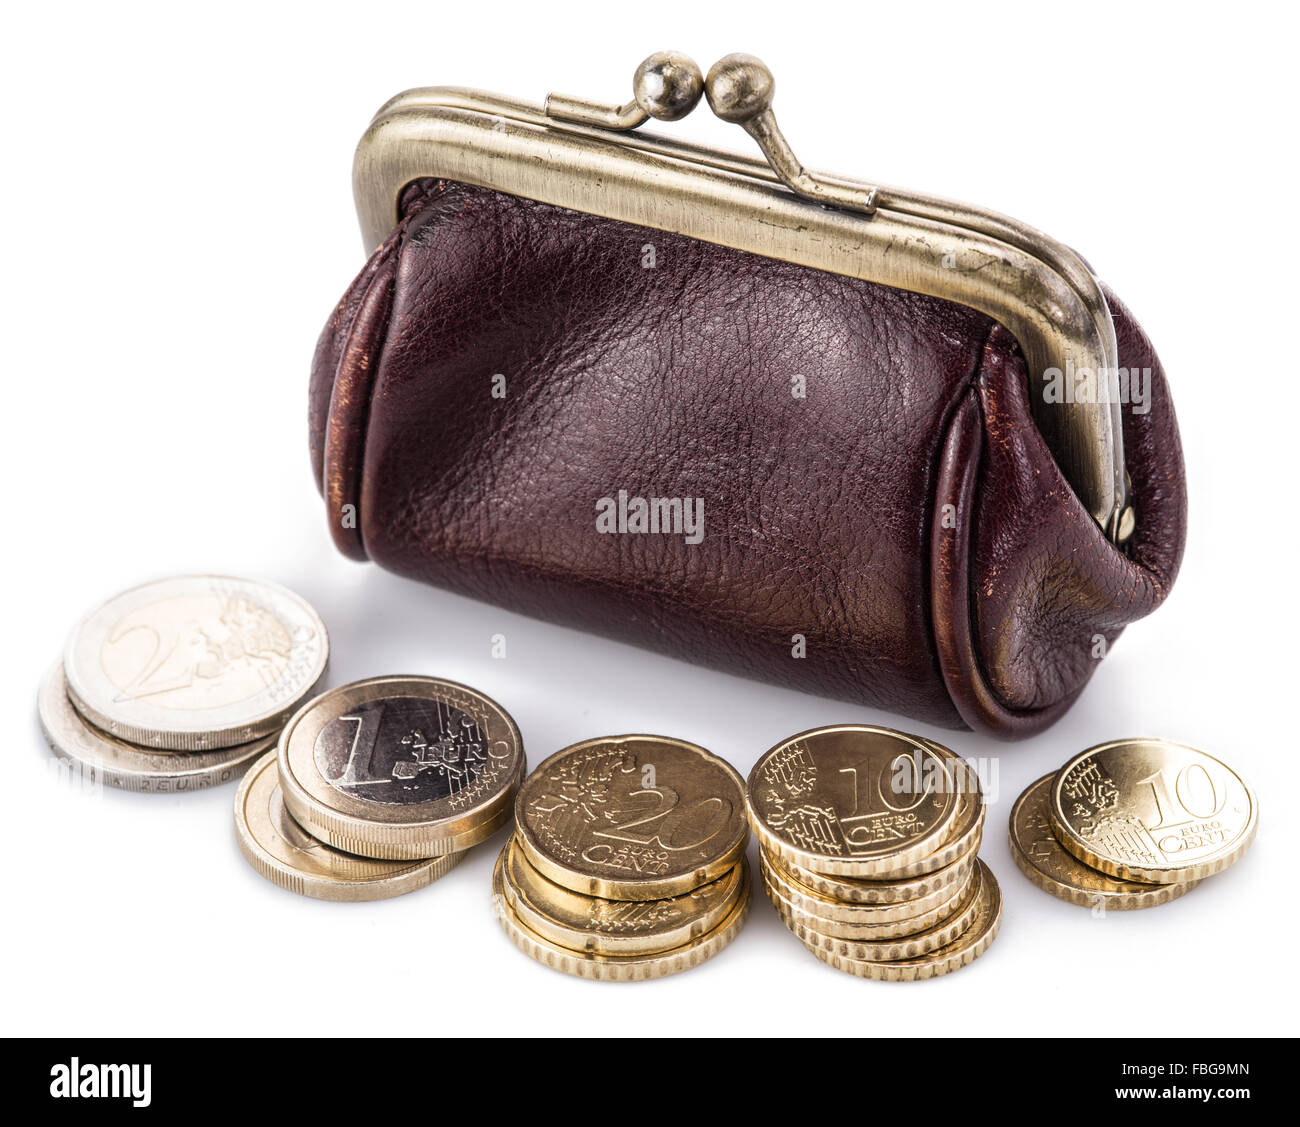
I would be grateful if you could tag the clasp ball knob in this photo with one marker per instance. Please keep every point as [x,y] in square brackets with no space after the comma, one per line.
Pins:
[739,88]
[668,85]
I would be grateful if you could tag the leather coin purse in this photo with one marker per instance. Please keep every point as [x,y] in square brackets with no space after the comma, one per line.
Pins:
[854,440]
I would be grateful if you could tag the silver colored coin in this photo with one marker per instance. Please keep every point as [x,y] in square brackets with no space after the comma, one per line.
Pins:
[101,759]
[195,662]
[401,768]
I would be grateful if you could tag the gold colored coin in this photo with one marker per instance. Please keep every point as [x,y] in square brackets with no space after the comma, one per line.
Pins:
[617,968]
[1151,810]
[882,893]
[632,817]
[963,839]
[854,800]
[883,920]
[1043,859]
[278,848]
[813,932]
[615,927]
[952,956]
[401,768]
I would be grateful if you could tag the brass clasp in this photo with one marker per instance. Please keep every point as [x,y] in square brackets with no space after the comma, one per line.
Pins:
[740,89]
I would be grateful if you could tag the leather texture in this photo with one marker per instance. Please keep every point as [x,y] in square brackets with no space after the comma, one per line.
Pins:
[824,515]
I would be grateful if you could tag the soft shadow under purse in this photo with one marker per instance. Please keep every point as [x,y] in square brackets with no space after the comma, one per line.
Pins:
[849,439]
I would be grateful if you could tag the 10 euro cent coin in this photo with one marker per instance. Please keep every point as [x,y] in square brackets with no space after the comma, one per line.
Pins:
[859,801]
[1041,857]
[1152,810]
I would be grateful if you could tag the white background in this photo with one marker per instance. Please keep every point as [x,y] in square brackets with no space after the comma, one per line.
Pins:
[179,225]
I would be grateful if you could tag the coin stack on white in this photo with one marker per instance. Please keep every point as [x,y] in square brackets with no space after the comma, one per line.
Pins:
[181,683]
[628,859]
[870,851]
[379,787]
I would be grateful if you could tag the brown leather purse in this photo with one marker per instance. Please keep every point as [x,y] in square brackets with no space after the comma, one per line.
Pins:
[854,440]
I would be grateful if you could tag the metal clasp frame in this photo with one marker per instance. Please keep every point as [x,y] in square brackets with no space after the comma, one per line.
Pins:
[588,156]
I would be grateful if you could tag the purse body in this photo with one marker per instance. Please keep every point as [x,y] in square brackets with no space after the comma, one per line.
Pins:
[818,481]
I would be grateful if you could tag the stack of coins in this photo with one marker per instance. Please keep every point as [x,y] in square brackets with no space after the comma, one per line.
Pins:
[627,861]
[1132,824]
[379,787]
[180,683]
[870,841]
